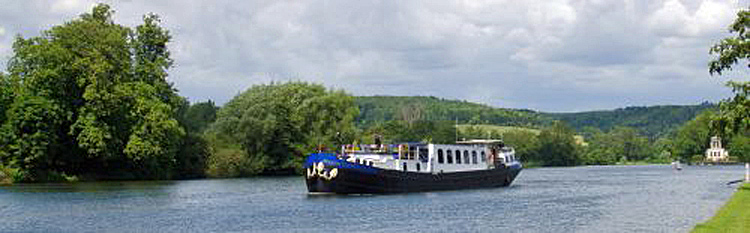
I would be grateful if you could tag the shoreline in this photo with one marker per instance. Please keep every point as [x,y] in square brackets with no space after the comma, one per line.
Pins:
[734,215]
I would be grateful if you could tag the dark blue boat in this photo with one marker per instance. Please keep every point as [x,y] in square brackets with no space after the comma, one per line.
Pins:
[412,167]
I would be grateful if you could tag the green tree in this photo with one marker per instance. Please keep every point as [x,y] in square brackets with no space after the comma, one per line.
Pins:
[199,116]
[524,142]
[630,144]
[276,124]
[35,143]
[557,146]
[619,143]
[693,137]
[739,147]
[6,95]
[601,149]
[734,114]
[104,100]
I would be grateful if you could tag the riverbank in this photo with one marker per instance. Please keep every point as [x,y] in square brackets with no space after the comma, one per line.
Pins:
[734,216]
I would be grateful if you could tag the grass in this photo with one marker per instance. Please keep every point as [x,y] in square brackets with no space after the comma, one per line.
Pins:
[734,216]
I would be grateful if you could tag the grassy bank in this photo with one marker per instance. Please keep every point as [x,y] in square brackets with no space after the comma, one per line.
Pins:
[734,216]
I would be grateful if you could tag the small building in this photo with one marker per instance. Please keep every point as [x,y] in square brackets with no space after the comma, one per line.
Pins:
[716,153]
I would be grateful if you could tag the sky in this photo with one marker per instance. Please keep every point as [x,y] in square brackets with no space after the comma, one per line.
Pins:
[551,55]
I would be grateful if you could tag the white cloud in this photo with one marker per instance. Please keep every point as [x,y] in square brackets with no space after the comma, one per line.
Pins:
[675,19]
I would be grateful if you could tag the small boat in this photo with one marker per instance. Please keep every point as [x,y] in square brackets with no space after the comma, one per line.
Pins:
[412,167]
[676,165]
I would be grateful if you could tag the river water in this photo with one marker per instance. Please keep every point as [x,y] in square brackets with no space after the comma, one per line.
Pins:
[577,199]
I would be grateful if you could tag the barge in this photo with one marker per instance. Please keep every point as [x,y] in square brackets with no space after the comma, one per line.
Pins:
[412,167]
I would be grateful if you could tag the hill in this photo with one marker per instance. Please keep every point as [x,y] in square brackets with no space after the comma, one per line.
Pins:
[653,121]
[385,108]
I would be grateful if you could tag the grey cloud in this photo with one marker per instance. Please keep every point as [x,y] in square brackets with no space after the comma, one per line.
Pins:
[544,55]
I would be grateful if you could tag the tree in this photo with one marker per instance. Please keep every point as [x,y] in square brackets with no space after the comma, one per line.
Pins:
[410,113]
[524,142]
[98,93]
[733,120]
[557,146]
[734,114]
[732,49]
[276,124]
[199,116]
[739,147]
[6,95]
[693,137]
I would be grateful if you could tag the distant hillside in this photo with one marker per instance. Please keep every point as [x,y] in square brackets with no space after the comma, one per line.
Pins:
[652,121]
[385,108]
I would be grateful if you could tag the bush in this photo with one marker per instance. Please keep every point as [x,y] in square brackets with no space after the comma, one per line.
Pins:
[230,162]
[9,175]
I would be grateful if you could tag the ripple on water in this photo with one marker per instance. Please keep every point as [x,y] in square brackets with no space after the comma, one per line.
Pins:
[580,199]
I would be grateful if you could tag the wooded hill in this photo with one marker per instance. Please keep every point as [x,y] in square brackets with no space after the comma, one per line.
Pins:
[653,121]
[385,108]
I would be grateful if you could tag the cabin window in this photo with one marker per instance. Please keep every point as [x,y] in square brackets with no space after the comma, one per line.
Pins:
[450,156]
[483,157]
[412,151]
[423,154]
[474,157]
[370,163]
[466,156]
[405,167]
[418,168]
[440,156]
[458,157]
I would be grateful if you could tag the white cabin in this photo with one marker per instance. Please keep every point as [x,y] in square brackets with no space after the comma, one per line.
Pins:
[432,158]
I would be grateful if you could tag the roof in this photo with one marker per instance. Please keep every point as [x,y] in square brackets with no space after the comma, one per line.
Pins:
[480,141]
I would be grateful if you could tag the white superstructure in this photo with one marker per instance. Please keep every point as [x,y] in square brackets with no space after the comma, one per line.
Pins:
[433,158]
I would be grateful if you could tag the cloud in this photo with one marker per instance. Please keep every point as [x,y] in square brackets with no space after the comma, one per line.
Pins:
[549,55]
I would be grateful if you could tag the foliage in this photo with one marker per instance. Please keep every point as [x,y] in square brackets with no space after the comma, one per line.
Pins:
[734,113]
[32,141]
[199,116]
[525,143]
[732,49]
[441,132]
[90,97]
[276,124]
[6,95]
[693,137]
[191,158]
[557,146]
[620,142]
[733,119]
[739,147]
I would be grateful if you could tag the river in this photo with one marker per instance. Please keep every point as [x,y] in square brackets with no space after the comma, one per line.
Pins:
[576,199]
